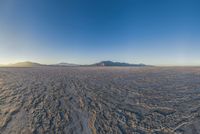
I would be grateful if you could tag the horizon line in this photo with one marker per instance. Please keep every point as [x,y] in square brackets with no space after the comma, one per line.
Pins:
[155,65]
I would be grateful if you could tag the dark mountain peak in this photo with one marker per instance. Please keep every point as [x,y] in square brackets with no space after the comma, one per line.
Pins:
[111,63]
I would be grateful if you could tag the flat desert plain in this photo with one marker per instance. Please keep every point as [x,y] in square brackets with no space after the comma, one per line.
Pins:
[100,100]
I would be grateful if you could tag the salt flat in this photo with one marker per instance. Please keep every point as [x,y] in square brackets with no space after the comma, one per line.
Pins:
[100,100]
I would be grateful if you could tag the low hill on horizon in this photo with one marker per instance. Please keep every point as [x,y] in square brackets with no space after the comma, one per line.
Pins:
[23,64]
[65,64]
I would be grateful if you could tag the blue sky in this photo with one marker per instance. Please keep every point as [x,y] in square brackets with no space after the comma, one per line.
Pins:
[157,32]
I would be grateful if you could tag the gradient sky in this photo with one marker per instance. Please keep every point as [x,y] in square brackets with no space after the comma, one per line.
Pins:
[156,32]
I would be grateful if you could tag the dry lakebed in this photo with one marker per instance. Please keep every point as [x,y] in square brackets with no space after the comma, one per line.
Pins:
[100,100]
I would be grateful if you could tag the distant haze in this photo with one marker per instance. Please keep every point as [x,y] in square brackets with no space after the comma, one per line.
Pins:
[102,63]
[158,32]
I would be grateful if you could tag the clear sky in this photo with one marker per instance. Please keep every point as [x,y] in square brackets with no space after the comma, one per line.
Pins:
[156,32]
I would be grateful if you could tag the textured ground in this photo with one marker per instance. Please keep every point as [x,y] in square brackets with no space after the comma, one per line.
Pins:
[100,100]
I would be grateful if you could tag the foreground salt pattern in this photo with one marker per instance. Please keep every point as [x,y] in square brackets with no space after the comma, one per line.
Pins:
[98,100]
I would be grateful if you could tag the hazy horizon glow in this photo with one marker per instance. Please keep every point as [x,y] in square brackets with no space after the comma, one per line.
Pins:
[157,32]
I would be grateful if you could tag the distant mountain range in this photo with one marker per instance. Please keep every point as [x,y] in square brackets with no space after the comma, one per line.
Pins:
[111,63]
[102,63]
